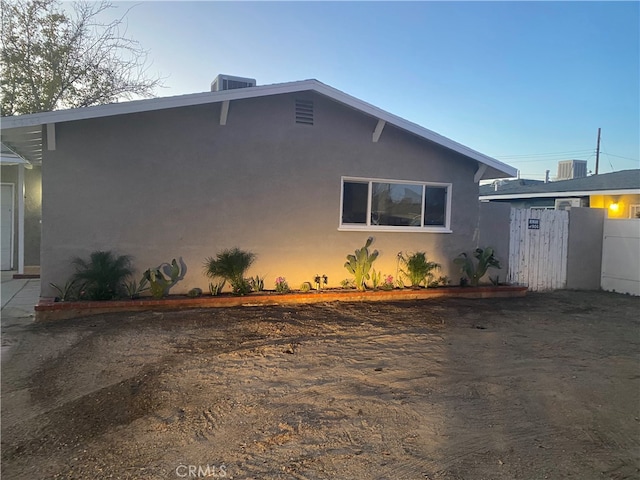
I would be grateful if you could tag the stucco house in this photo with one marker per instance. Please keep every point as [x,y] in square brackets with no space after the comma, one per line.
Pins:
[299,173]
[618,192]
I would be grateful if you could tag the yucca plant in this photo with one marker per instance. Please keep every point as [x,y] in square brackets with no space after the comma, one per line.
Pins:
[418,270]
[231,265]
[102,276]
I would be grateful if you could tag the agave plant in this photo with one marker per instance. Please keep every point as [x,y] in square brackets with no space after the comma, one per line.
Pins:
[102,276]
[231,265]
[418,269]
[485,260]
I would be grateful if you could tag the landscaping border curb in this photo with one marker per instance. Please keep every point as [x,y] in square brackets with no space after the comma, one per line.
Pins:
[50,310]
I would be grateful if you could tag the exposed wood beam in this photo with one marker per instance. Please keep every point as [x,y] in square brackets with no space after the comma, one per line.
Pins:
[224,111]
[378,131]
[51,136]
[480,172]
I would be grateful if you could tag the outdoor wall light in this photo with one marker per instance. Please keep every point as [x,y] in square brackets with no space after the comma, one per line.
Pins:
[614,207]
[320,280]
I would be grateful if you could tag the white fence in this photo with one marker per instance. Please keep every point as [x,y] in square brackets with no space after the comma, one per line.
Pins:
[538,248]
[621,256]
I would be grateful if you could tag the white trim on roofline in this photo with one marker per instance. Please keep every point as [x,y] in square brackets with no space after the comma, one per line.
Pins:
[577,193]
[161,103]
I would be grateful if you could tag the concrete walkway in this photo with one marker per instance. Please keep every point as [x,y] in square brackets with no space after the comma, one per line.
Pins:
[19,297]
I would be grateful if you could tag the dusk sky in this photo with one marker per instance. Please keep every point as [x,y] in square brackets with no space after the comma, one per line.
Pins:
[528,83]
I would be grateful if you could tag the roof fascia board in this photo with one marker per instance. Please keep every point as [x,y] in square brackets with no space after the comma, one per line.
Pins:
[137,106]
[576,193]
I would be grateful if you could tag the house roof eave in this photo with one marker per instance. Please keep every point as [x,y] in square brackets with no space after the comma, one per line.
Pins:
[576,193]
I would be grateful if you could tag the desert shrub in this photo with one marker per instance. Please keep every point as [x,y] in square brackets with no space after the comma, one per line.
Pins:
[417,269]
[231,265]
[194,293]
[102,276]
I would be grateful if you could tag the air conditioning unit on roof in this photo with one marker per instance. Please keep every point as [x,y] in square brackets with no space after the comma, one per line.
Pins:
[570,169]
[229,82]
[567,203]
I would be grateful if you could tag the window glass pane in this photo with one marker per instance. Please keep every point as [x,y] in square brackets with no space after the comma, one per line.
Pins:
[435,203]
[396,204]
[354,202]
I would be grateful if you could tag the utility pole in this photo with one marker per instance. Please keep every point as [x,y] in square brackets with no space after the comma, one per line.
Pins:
[598,152]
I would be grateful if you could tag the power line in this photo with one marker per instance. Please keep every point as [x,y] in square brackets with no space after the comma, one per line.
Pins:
[620,156]
[554,154]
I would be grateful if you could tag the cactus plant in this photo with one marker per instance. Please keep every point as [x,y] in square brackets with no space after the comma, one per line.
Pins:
[194,293]
[159,284]
[360,264]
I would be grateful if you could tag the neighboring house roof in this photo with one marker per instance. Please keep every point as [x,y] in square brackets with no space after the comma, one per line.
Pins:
[616,183]
[507,185]
[24,132]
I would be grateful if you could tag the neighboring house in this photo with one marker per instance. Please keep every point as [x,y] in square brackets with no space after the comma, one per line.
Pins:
[618,192]
[299,173]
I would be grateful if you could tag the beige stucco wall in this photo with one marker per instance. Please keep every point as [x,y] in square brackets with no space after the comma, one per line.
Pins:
[32,211]
[175,183]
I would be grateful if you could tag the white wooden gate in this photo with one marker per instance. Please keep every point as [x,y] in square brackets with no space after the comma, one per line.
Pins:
[538,248]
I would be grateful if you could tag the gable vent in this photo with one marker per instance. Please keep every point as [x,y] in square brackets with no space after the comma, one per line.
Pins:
[304,112]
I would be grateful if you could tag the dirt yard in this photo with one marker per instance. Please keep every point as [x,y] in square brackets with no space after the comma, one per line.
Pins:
[541,387]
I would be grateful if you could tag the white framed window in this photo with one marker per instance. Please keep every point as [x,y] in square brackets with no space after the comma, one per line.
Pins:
[634,211]
[395,205]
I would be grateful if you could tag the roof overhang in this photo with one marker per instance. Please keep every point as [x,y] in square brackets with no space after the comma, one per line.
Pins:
[576,193]
[8,157]
[24,132]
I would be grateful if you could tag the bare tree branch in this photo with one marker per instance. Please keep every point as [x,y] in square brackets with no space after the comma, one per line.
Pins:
[52,60]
